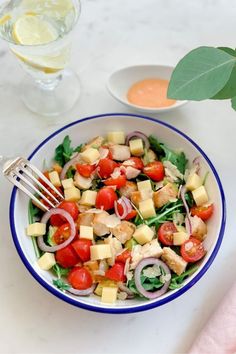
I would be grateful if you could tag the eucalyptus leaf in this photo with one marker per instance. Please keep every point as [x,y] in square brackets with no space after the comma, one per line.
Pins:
[229,90]
[201,74]
[233,103]
[228,50]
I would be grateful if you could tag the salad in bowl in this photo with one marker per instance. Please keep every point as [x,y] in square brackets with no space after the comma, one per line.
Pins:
[135,226]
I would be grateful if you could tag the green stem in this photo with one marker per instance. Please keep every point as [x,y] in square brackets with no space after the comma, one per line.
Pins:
[160,216]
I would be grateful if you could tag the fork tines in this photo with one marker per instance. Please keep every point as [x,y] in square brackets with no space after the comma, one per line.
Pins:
[23,174]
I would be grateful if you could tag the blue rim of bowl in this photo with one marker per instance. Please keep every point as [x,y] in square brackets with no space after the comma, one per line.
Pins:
[133,309]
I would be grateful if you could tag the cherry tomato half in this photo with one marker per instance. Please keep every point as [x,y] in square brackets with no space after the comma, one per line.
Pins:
[82,248]
[67,257]
[192,250]
[62,234]
[85,170]
[122,257]
[203,212]
[155,170]
[135,162]
[118,182]
[80,278]
[106,198]
[70,207]
[106,167]
[165,233]
[116,272]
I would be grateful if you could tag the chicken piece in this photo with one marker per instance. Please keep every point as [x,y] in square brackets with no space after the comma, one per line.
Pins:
[120,152]
[99,226]
[127,190]
[124,231]
[150,249]
[163,195]
[82,182]
[85,219]
[199,228]
[116,248]
[136,256]
[131,172]
[173,260]
[136,198]
[94,143]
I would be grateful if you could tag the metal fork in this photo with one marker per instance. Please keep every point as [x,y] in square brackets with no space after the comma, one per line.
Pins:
[25,176]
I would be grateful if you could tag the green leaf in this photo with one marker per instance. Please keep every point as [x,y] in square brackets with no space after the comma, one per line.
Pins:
[60,272]
[228,50]
[64,151]
[233,103]
[60,284]
[155,145]
[229,90]
[178,159]
[201,74]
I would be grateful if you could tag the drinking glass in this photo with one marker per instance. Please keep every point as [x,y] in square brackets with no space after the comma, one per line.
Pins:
[49,87]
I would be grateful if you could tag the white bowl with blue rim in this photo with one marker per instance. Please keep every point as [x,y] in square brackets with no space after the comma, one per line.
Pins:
[81,131]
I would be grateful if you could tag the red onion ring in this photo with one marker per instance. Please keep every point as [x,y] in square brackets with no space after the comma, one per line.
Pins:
[137,277]
[127,208]
[196,163]
[42,245]
[127,203]
[66,167]
[187,219]
[137,134]
[82,292]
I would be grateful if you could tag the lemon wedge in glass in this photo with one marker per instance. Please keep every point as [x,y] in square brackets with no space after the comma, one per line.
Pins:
[56,8]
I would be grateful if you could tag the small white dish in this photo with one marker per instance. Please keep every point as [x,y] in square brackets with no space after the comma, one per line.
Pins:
[121,80]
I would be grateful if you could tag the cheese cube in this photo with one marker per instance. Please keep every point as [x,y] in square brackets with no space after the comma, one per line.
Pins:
[86,232]
[200,196]
[136,147]
[47,261]
[67,183]
[116,137]
[109,294]
[193,182]
[54,178]
[179,238]
[36,229]
[147,208]
[143,234]
[144,185]
[88,198]
[90,155]
[72,194]
[101,251]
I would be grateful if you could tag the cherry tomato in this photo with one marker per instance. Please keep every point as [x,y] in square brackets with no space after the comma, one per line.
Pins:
[70,207]
[106,167]
[118,182]
[192,250]
[85,170]
[203,212]
[165,233]
[129,216]
[122,257]
[80,278]
[67,257]
[82,248]
[46,174]
[135,162]
[62,234]
[106,198]
[116,272]
[155,170]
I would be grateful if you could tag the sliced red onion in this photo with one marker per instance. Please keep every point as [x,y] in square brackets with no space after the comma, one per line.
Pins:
[137,134]
[137,277]
[70,163]
[127,203]
[57,211]
[196,163]
[127,208]
[103,152]
[82,292]
[124,288]
[187,219]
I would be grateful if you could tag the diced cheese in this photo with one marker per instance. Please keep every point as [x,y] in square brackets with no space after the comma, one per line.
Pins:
[109,294]
[179,238]
[200,195]
[88,198]
[36,229]
[46,261]
[147,208]
[136,147]
[143,234]
[116,137]
[54,178]
[82,182]
[100,251]
[90,155]
[86,232]
[72,194]
[144,185]
[67,183]
[193,182]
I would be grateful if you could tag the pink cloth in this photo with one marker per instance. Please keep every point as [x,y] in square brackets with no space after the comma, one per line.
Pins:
[219,334]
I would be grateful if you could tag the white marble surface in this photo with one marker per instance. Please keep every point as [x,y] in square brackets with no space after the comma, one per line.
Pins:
[112,34]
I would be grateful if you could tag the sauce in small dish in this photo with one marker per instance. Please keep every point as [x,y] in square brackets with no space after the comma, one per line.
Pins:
[150,93]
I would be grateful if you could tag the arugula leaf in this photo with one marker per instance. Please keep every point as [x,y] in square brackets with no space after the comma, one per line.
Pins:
[163,215]
[60,272]
[189,199]
[177,280]
[155,145]
[64,151]
[60,284]
[149,284]
[70,173]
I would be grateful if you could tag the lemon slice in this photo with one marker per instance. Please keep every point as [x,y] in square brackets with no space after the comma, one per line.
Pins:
[32,30]
[4,19]
[55,8]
